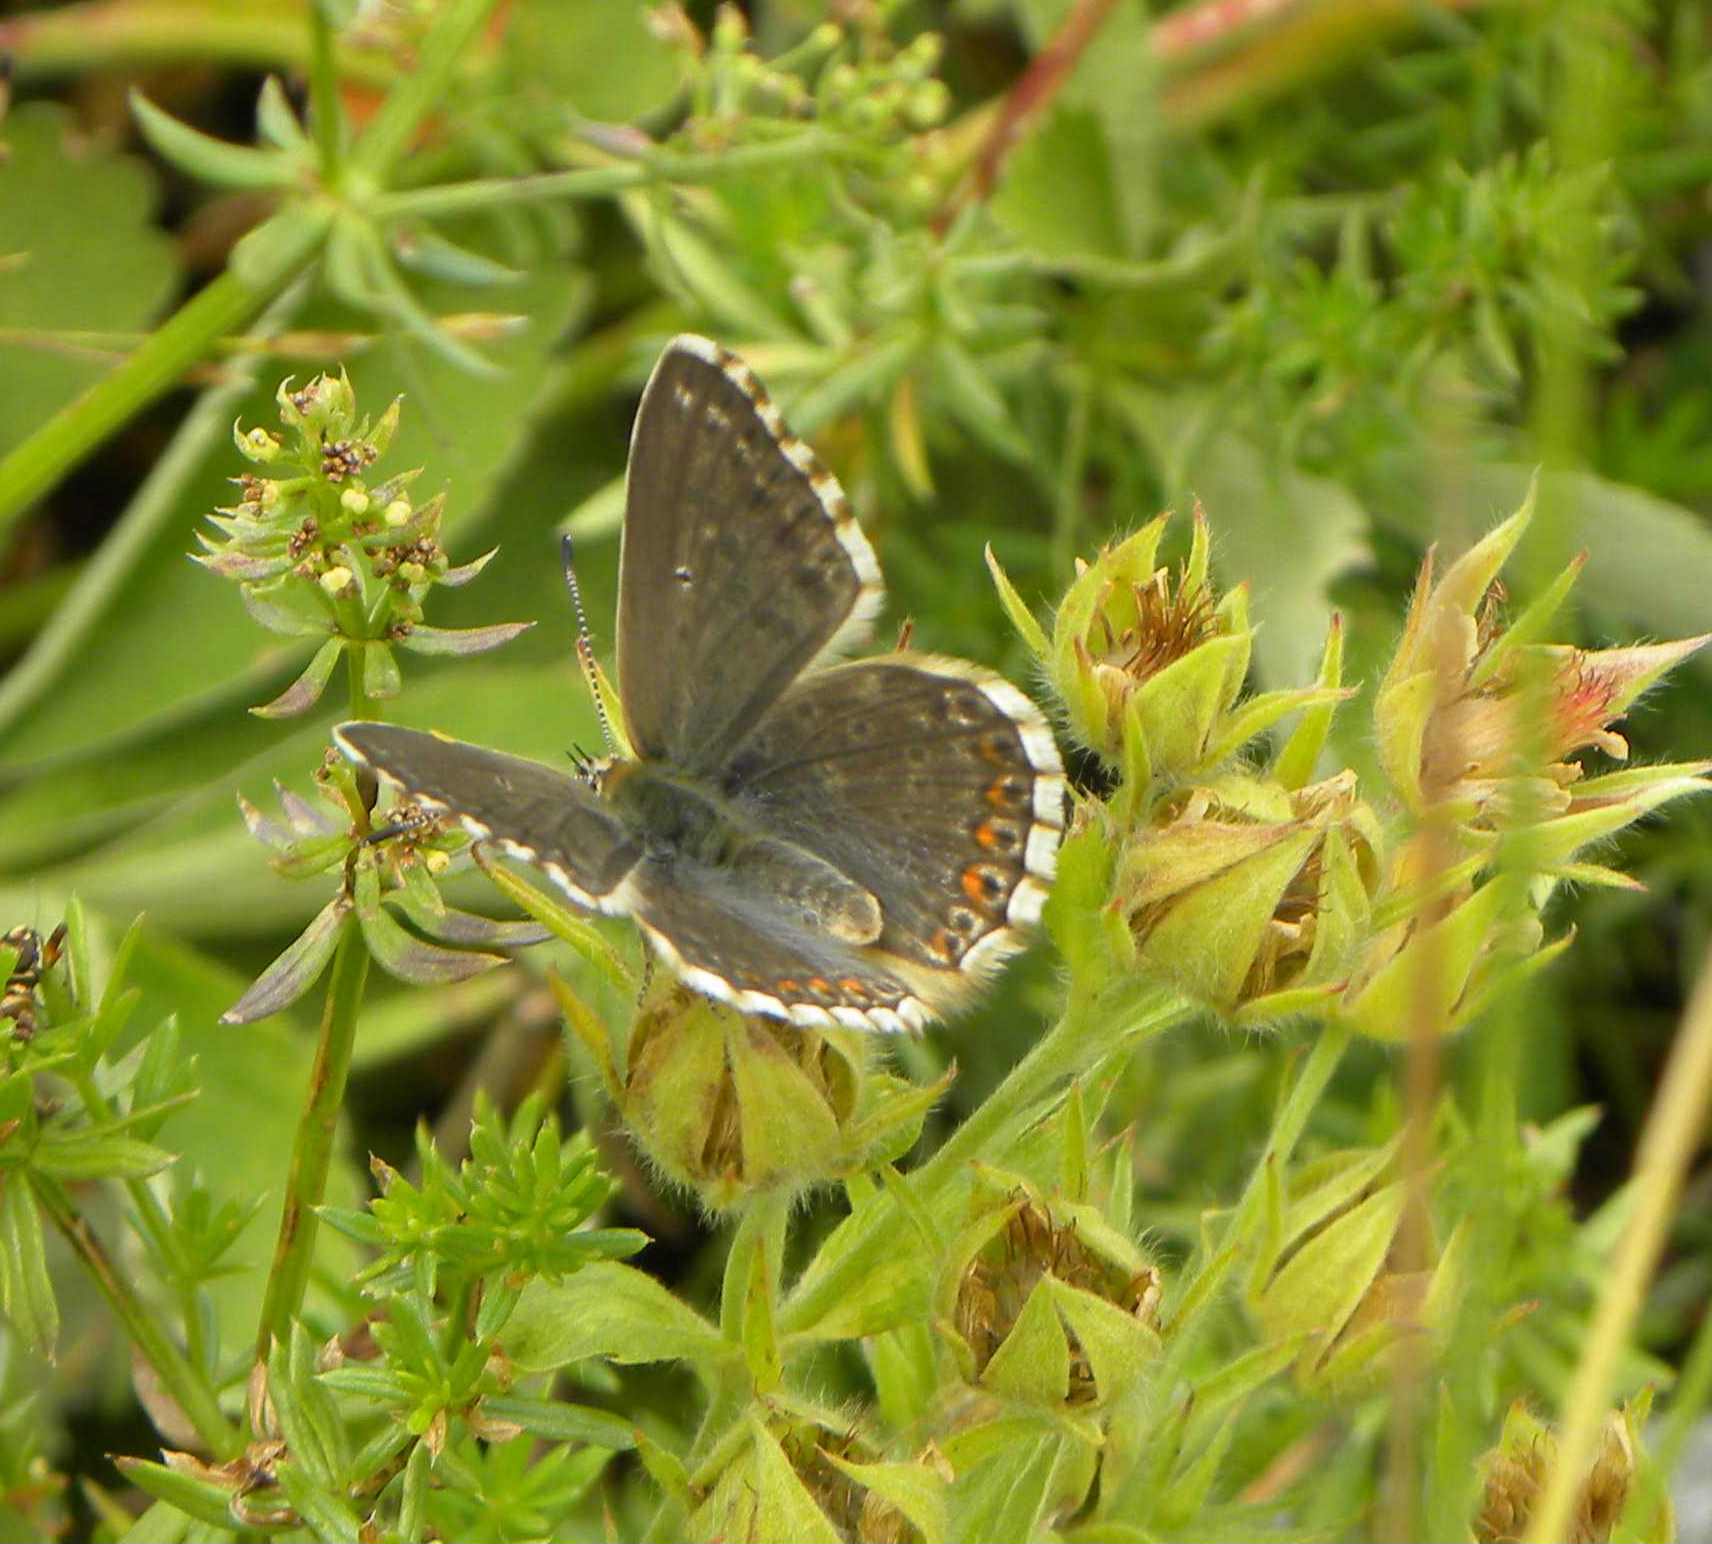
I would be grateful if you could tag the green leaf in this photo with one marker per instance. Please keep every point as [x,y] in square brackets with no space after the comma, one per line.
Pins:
[81,252]
[607,1310]
[26,1291]
[1057,195]
[561,1422]
[327,1515]
[1003,1496]
[206,159]
[1033,1362]
[291,976]
[567,49]
[201,1499]
[94,1155]
[306,690]
[784,1509]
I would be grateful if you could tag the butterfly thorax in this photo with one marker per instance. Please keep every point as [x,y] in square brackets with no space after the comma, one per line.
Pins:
[677,818]
[671,813]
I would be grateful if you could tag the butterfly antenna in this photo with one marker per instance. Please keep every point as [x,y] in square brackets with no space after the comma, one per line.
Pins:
[585,643]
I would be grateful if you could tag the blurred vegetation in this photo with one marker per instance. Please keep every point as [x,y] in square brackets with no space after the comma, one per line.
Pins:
[1348,272]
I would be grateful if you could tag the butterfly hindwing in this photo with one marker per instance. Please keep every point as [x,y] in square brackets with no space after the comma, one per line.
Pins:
[934,785]
[523,808]
[741,945]
[741,560]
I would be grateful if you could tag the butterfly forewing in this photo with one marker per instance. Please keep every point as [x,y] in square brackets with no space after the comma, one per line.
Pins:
[931,783]
[522,807]
[741,560]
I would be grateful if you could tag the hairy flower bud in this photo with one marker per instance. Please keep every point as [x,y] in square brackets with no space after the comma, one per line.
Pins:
[727,1103]
[1516,1472]
[1045,1302]
[1250,897]
[797,1471]
[1327,1276]
[1480,720]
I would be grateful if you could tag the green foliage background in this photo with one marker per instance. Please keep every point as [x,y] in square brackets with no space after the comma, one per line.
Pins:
[1346,273]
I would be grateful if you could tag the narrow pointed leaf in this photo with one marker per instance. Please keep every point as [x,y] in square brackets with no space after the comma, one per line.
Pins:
[460,575]
[295,971]
[561,1422]
[461,640]
[26,1290]
[275,120]
[211,160]
[306,690]
[453,926]
[411,959]
[289,607]
[427,252]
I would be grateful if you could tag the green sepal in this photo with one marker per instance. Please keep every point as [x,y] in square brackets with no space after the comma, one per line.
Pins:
[914,1489]
[1022,619]
[1033,1361]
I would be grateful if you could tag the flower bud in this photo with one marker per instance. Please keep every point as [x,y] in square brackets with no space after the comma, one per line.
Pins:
[800,1472]
[316,527]
[1250,897]
[1328,1279]
[1045,1302]
[1517,1470]
[1134,642]
[728,1103]
[1478,718]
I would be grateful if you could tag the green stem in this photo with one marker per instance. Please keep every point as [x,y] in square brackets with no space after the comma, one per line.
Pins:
[222,307]
[178,1377]
[761,1226]
[1080,1039]
[1202,1288]
[416,95]
[598,181]
[312,1152]
[1672,1134]
[362,705]
[324,95]
[120,35]
[150,1213]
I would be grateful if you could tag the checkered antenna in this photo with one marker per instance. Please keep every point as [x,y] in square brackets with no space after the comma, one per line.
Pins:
[585,643]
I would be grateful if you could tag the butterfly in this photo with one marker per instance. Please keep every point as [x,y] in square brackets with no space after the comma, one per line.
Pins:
[855,843]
